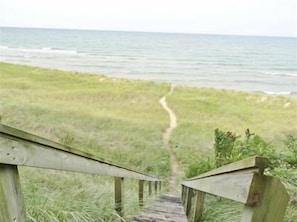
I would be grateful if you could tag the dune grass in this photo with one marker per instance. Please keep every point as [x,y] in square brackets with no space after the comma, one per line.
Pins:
[116,119]
[66,196]
[121,120]
[112,118]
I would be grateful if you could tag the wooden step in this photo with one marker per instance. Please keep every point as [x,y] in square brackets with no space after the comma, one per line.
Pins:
[167,207]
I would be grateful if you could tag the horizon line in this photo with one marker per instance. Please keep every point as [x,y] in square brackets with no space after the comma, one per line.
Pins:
[143,31]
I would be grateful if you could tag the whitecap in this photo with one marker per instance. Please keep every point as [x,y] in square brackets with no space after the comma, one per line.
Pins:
[44,50]
[277,93]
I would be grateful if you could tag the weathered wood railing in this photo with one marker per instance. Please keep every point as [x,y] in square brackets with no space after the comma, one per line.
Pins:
[265,198]
[19,148]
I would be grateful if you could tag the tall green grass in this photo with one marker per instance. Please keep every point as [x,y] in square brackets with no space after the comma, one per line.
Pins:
[66,196]
[116,119]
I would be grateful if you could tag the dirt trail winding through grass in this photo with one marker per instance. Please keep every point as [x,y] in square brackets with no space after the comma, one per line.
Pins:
[175,168]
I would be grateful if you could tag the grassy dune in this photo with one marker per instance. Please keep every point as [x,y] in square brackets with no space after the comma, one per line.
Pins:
[121,120]
[117,119]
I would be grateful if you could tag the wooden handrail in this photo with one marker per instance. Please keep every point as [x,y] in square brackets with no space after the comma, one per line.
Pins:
[20,148]
[244,182]
[256,162]
[41,151]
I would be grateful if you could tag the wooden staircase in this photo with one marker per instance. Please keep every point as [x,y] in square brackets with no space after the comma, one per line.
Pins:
[264,197]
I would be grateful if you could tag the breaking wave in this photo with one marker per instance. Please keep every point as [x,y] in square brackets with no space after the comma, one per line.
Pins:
[41,50]
[280,74]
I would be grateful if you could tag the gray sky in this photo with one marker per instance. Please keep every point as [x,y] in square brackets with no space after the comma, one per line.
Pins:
[244,17]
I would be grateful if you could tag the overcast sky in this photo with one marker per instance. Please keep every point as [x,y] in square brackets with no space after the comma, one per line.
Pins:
[244,17]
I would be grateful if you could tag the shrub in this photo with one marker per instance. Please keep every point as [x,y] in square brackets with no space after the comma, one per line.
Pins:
[291,144]
[229,149]
[199,166]
[224,145]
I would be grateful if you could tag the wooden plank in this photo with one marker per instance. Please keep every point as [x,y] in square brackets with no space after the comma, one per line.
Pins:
[273,203]
[119,196]
[140,192]
[26,153]
[156,187]
[22,148]
[12,208]
[253,162]
[234,186]
[199,201]
[167,207]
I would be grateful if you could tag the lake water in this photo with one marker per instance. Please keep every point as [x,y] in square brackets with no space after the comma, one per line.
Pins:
[255,64]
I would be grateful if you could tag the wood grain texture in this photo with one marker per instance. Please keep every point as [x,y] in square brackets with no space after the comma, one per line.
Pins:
[199,202]
[188,202]
[273,203]
[12,208]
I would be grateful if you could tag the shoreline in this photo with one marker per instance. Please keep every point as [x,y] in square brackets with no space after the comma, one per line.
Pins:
[235,89]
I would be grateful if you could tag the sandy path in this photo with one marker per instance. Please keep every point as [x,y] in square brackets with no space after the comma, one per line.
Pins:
[175,168]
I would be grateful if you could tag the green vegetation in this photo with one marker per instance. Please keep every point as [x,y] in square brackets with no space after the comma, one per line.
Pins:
[114,118]
[121,120]
[201,111]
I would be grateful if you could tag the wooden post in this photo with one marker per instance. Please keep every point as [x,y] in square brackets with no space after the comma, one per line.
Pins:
[150,187]
[198,205]
[183,197]
[273,203]
[156,187]
[160,186]
[12,207]
[140,193]
[119,196]
[182,194]
[189,195]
